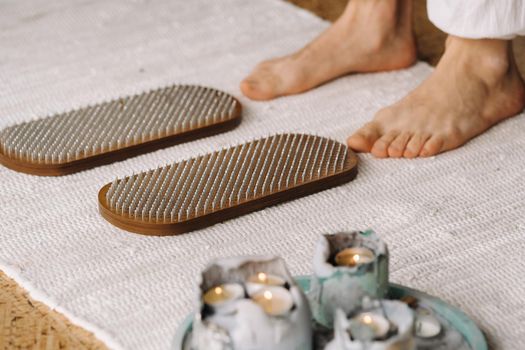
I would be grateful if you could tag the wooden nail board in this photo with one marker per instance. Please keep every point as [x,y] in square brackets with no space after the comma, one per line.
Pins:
[218,186]
[111,131]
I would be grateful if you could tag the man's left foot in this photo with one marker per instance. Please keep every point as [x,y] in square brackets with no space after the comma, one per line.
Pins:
[475,85]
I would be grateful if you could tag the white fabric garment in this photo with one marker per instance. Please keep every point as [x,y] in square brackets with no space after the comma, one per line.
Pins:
[479,19]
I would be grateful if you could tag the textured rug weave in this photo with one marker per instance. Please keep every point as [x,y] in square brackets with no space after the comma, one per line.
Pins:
[455,224]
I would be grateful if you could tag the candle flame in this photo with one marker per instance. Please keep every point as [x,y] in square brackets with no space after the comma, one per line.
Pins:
[262,276]
[356,258]
[367,319]
[218,290]
[268,295]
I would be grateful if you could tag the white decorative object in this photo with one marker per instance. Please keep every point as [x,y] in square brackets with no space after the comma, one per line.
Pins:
[399,336]
[427,326]
[276,315]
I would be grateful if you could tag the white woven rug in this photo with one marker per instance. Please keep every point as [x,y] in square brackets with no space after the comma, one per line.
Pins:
[455,224]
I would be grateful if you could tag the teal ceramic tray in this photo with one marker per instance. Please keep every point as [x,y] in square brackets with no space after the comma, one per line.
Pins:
[473,338]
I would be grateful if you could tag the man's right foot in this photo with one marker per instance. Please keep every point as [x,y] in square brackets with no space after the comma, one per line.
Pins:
[371,36]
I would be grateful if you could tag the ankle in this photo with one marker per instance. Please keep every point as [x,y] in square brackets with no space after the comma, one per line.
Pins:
[492,58]
[390,13]
[384,21]
[387,8]
[492,63]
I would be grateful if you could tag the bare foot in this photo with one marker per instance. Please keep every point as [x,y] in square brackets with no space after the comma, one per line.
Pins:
[475,85]
[371,35]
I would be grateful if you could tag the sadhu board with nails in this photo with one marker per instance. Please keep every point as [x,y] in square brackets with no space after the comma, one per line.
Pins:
[111,131]
[211,188]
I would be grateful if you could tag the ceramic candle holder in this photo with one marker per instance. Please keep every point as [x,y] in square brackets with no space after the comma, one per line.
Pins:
[348,336]
[273,314]
[347,267]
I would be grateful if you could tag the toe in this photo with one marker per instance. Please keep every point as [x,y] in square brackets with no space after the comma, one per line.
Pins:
[254,89]
[364,138]
[380,148]
[246,87]
[414,145]
[397,147]
[263,83]
[433,146]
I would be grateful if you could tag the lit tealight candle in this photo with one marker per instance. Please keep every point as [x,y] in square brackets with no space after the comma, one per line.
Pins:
[261,279]
[427,326]
[267,279]
[368,326]
[275,301]
[354,256]
[223,294]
